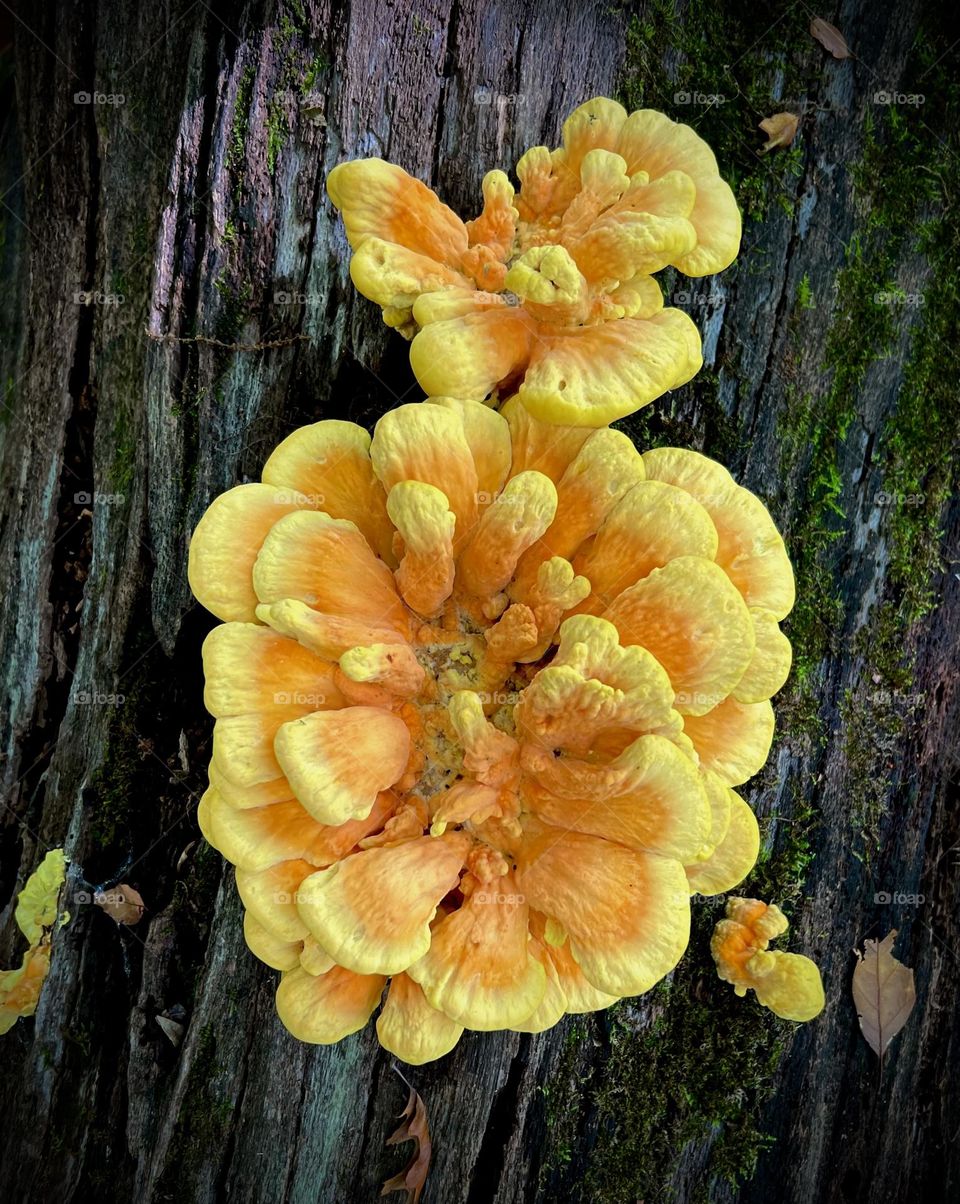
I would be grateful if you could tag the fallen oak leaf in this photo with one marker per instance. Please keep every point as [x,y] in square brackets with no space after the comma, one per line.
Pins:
[830,38]
[413,1127]
[122,904]
[781,129]
[883,993]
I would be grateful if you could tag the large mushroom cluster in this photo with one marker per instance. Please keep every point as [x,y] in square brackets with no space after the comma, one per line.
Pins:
[485,683]
[483,689]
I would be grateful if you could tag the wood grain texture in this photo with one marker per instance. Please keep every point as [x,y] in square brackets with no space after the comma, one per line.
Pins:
[196,207]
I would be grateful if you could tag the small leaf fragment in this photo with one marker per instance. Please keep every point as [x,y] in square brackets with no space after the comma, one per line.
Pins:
[883,992]
[781,129]
[830,38]
[413,1127]
[171,1030]
[121,903]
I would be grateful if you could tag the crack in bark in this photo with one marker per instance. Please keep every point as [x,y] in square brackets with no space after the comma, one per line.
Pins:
[488,1168]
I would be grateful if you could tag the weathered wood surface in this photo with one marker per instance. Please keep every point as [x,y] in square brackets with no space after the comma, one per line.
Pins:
[196,208]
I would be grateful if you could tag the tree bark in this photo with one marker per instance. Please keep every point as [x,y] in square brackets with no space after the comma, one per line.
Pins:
[176,299]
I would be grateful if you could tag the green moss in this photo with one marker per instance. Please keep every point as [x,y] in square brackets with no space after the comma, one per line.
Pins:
[292,79]
[277,131]
[299,14]
[202,1123]
[235,302]
[123,462]
[919,434]
[236,149]
[781,870]
[719,82]
[874,717]
[564,1096]
[917,448]
[118,284]
[703,424]
[312,74]
[804,295]
[703,1066]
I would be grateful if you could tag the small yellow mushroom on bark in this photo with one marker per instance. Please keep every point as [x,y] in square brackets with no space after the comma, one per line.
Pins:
[786,983]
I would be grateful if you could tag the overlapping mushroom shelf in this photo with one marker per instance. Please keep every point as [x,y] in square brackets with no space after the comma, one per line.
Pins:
[483,688]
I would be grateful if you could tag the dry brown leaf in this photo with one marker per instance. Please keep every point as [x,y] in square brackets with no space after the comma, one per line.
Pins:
[413,1127]
[781,129]
[883,992]
[121,903]
[830,38]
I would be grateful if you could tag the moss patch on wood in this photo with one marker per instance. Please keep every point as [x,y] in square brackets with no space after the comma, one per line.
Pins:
[700,1068]
[701,64]
[203,1125]
[918,447]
